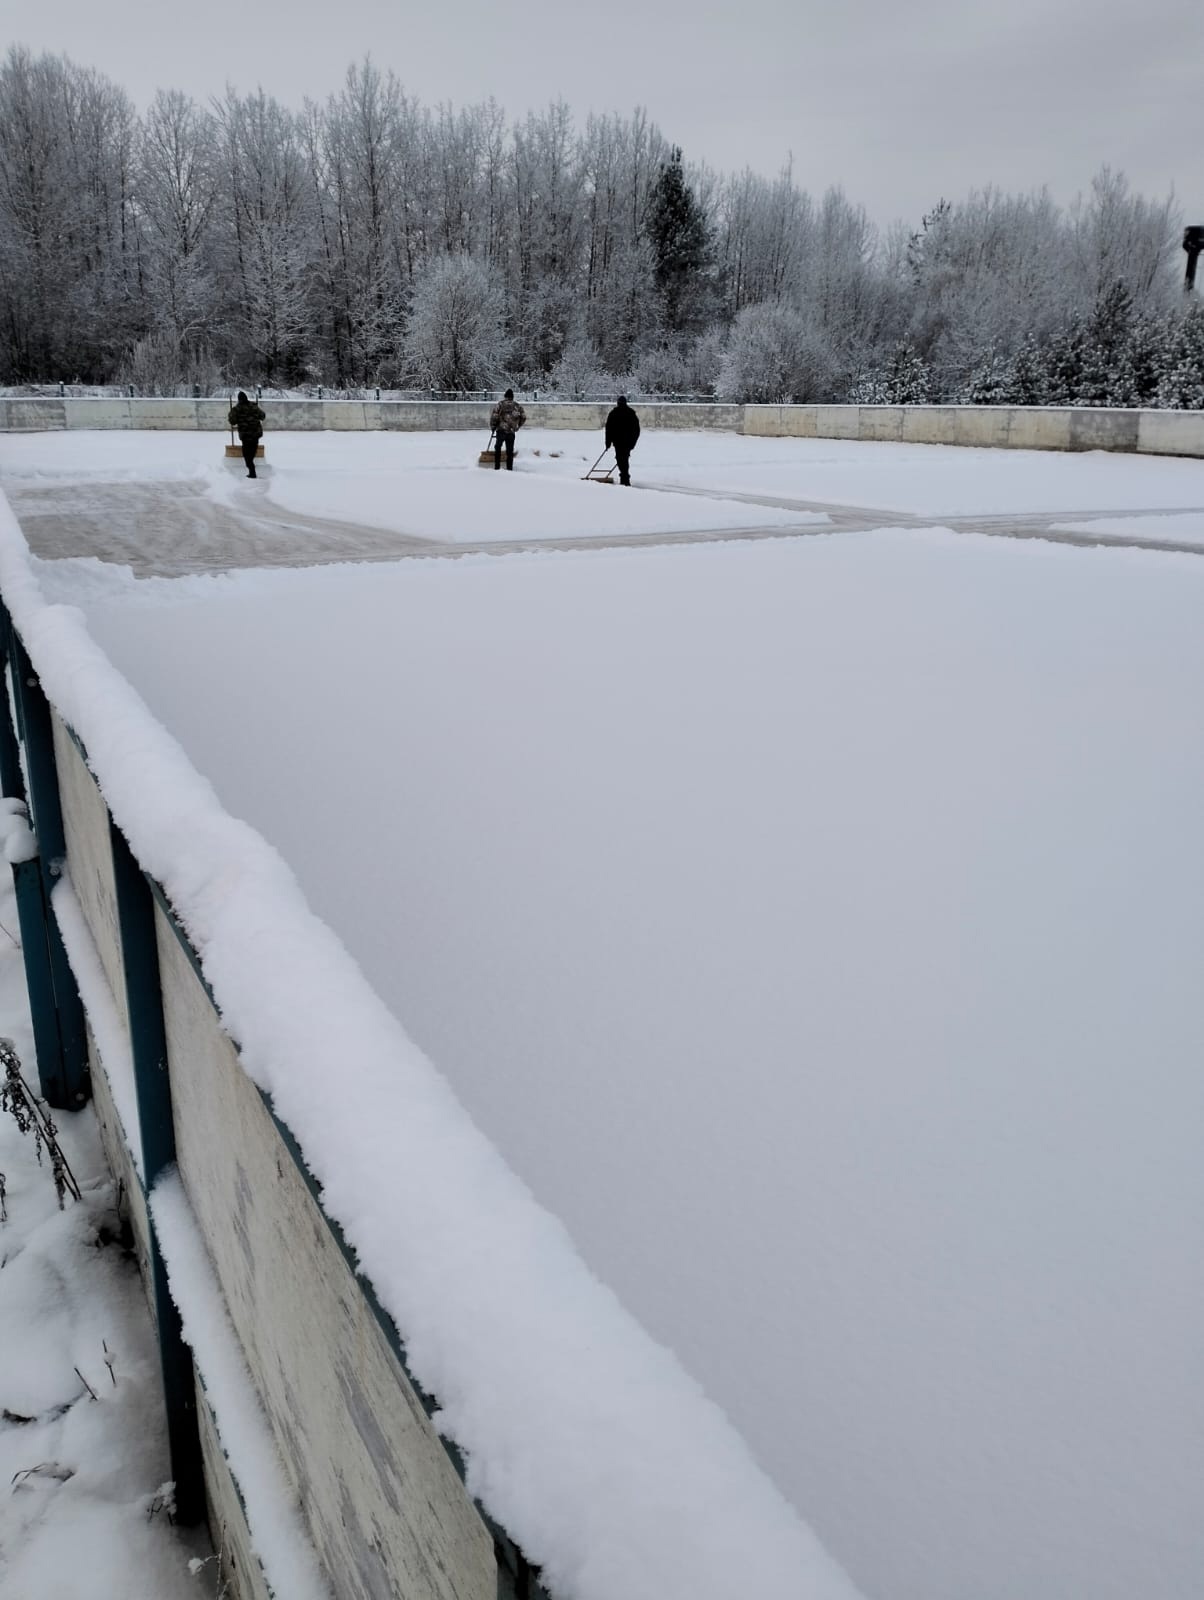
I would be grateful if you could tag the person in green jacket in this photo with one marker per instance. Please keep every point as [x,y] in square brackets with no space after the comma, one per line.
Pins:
[247,417]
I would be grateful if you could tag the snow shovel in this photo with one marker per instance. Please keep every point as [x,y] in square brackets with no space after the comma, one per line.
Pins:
[485,459]
[606,475]
[234,449]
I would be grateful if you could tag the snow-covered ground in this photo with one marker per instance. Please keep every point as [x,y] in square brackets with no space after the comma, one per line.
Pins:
[418,485]
[83,1448]
[428,486]
[815,925]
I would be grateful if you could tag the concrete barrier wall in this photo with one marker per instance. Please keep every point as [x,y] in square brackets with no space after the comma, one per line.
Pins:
[1178,433]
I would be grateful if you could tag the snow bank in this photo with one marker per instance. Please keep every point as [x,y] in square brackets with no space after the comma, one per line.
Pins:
[108,1030]
[584,1438]
[81,1512]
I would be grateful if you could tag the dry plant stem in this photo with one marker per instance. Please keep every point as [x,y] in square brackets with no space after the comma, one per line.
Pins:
[30,1116]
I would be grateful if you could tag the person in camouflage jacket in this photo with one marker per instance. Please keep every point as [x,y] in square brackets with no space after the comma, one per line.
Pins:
[506,418]
[248,418]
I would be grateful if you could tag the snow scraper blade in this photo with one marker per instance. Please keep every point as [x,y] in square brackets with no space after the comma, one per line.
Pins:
[594,475]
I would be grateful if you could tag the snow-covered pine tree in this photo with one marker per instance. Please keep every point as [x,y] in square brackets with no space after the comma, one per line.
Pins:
[681,243]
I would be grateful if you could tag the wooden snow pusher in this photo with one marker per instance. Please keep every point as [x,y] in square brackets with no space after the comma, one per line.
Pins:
[234,452]
[485,459]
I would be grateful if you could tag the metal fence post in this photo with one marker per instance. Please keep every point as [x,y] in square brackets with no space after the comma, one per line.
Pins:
[152,1083]
[57,1013]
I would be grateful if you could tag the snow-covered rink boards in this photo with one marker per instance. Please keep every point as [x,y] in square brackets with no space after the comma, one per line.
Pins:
[816,926]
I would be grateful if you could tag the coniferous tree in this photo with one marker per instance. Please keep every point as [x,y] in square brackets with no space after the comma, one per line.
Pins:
[681,246]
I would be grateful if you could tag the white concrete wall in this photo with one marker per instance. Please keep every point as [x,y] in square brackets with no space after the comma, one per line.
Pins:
[1000,427]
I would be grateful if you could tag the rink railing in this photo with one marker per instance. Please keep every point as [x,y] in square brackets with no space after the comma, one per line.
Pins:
[383,1494]
[1175,433]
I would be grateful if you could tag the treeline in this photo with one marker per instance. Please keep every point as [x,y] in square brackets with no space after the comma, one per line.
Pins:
[372,240]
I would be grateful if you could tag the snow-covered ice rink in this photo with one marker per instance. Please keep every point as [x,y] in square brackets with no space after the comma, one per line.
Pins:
[814,923]
[169,504]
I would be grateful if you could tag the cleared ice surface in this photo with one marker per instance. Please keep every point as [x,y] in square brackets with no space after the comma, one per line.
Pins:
[1186,527]
[817,928]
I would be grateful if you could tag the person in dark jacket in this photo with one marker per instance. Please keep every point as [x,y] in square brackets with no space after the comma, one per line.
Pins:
[506,418]
[622,434]
[247,417]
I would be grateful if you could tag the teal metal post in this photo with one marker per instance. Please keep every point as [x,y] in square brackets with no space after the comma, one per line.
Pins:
[63,1076]
[152,1082]
[33,910]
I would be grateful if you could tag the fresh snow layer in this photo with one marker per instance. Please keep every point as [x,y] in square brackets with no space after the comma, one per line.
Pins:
[930,481]
[278,1535]
[816,927]
[586,1439]
[83,1507]
[434,489]
[108,1029]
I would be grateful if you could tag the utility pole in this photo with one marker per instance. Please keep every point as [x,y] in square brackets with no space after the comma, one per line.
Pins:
[1193,243]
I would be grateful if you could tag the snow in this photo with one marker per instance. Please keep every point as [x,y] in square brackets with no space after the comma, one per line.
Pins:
[278,1534]
[813,925]
[585,1438]
[428,485]
[108,1030]
[433,488]
[82,1508]
[932,481]
[419,485]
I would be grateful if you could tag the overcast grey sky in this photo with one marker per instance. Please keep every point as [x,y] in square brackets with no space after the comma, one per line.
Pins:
[901,104]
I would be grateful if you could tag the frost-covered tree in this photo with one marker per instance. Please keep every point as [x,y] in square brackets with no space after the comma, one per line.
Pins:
[266,237]
[454,339]
[177,181]
[292,245]
[68,268]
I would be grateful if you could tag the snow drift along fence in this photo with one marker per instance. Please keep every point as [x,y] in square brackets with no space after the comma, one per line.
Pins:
[383,1495]
[1178,433]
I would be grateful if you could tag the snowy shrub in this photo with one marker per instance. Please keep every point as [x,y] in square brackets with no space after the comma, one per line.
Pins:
[1181,380]
[580,372]
[160,365]
[773,357]
[454,339]
[662,370]
[903,381]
